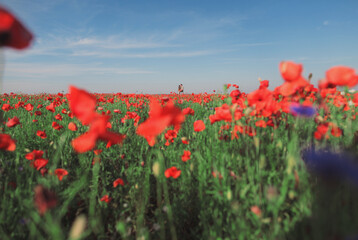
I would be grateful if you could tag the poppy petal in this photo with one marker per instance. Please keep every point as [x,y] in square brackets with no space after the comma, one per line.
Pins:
[84,143]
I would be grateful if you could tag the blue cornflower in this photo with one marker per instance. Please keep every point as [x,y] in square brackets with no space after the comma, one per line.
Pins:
[302,110]
[330,164]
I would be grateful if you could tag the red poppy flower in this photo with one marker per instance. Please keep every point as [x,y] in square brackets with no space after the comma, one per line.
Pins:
[12,32]
[82,105]
[224,113]
[188,111]
[184,140]
[58,117]
[264,84]
[340,76]
[261,123]
[216,174]
[291,73]
[335,131]
[235,96]
[41,134]
[56,126]
[159,119]
[169,136]
[256,210]
[13,122]
[106,199]
[199,126]
[29,107]
[19,104]
[97,151]
[117,182]
[44,199]
[186,155]
[60,173]
[85,142]
[98,131]
[43,171]
[6,107]
[72,126]
[322,130]
[51,107]
[39,163]
[35,154]
[7,143]
[172,172]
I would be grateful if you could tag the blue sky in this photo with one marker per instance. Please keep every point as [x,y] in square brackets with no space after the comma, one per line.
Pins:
[134,46]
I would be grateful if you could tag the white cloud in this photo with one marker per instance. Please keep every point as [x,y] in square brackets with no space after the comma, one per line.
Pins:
[174,54]
[112,46]
[85,41]
[116,42]
[253,44]
[36,70]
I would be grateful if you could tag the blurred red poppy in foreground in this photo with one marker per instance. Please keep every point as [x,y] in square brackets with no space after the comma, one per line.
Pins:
[44,199]
[339,76]
[83,105]
[159,119]
[12,32]
[98,131]
[7,143]
[291,73]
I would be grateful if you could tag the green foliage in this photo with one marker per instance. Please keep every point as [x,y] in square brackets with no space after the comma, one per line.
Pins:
[265,170]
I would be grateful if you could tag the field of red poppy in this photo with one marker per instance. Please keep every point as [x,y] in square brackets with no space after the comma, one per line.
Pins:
[265,165]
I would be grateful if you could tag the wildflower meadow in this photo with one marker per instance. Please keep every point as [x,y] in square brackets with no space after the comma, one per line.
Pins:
[269,164]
